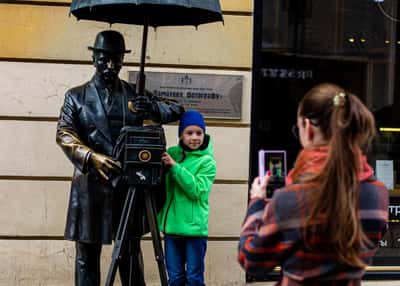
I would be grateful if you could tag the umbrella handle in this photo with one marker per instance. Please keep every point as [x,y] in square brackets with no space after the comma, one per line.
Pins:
[140,83]
[141,79]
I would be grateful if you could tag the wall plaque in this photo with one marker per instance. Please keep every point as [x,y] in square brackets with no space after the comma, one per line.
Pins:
[216,96]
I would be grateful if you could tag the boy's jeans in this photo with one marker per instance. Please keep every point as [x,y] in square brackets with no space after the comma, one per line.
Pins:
[181,251]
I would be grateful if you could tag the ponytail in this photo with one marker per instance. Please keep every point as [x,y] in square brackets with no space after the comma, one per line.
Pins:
[348,126]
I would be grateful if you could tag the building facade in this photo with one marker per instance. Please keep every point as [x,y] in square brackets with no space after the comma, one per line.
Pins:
[43,52]
[279,49]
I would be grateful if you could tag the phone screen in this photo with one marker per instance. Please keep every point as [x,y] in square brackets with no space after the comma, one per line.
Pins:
[275,164]
[272,160]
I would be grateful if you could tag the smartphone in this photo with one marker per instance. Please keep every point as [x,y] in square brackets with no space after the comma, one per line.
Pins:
[272,160]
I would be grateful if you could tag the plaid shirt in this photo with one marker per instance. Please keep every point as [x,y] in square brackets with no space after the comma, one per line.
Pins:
[272,235]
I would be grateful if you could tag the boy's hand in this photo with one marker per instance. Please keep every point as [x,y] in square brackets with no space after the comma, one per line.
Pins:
[167,160]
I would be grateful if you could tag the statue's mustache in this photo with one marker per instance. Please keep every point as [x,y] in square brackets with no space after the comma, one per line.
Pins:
[108,71]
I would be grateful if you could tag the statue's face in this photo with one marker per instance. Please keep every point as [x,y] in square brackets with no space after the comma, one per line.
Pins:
[108,65]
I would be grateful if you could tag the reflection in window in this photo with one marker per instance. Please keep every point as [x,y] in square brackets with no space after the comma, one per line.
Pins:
[350,42]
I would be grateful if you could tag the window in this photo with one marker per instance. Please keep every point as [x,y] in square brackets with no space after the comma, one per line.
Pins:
[352,43]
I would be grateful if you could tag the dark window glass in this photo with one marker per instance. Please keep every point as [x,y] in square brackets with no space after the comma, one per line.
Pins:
[353,43]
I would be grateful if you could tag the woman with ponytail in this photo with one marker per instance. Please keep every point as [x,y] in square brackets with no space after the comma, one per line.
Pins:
[324,226]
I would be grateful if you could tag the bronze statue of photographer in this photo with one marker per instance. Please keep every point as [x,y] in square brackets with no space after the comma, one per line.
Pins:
[89,124]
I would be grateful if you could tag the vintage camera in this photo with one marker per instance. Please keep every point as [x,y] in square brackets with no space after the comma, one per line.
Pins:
[139,149]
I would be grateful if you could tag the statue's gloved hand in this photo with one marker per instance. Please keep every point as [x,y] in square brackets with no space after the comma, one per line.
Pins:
[142,104]
[104,165]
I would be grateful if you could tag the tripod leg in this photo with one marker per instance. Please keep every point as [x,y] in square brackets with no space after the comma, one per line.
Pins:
[131,261]
[136,273]
[155,235]
[121,235]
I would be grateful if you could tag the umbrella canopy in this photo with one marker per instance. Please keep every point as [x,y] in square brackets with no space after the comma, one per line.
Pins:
[155,12]
[152,13]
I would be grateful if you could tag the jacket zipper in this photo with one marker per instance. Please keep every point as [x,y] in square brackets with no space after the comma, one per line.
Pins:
[166,213]
[172,196]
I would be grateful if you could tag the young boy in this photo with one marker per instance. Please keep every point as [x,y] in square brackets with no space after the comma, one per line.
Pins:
[184,217]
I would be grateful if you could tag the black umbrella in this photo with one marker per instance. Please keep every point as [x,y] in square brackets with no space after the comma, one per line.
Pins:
[153,13]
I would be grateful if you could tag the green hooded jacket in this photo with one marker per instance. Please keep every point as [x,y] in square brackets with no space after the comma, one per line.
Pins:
[188,185]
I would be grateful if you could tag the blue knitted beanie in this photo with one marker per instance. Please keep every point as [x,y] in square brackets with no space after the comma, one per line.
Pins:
[191,117]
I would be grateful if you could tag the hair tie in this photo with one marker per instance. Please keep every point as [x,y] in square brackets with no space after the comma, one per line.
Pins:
[339,99]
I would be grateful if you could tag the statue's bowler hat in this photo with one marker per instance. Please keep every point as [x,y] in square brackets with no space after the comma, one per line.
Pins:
[109,41]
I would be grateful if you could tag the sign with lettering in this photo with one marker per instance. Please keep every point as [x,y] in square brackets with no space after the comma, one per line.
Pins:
[392,236]
[394,213]
[286,73]
[216,96]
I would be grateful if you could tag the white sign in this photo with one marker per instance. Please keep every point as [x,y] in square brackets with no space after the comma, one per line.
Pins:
[216,96]
[384,173]
[395,210]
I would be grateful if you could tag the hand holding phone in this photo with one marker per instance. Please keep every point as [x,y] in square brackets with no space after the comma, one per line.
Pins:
[259,187]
